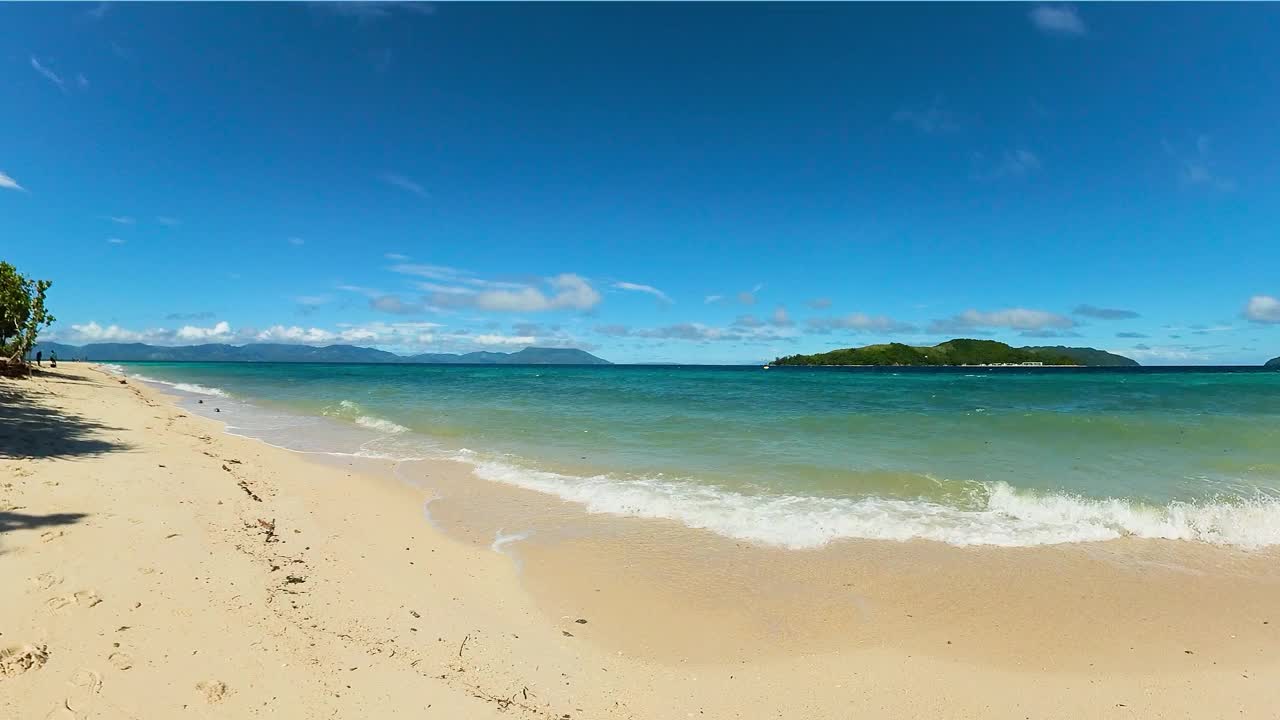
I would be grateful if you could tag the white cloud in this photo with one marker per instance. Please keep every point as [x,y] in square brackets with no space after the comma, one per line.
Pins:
[8,183]
[405,334]
[445,289]
[99,11]
[431,272]
[394,305]
[295,334]
[121,219]
[368,292]
[711,299]
[1017,163]
[748,297]
[82,81]
[933,120]
[570,292]
[745,329]
[1058,20]
[453,287]
[637,287]
[501,340]
[1173,354]
[396,256]
[297,241]
[820,303]
[115,241]
[861,322]
[372,10]
[405,183]
[93,332]
[1103,313]
[1011,318]
[685,331]
[780,318]
[169,221]
[408,336]
[191,333]
[1263,309]
[50,75]
[1196,165]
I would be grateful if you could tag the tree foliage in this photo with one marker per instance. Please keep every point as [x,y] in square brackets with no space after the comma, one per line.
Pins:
[952,352]
[22,313]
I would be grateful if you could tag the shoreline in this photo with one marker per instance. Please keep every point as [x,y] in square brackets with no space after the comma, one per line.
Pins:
[994,512]
[679,621]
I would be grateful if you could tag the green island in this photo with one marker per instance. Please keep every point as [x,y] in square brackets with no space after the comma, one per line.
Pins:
[961,352]
[1273,362]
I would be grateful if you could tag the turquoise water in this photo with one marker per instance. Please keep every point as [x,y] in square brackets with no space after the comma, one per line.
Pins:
[799,457]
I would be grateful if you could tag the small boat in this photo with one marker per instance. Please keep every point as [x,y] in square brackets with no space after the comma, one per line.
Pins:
[766,367]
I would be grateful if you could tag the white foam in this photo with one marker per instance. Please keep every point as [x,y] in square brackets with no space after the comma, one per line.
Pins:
[200,389]
[501,539]
[999,516]
[193,388]
[377,423]
[1009,518]
[349,410]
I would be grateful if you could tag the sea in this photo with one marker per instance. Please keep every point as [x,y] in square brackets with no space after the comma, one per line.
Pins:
[803,457]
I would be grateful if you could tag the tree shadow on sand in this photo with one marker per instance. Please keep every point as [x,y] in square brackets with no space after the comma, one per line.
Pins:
[29,429]
[10,521]
[18,521]
[47,373]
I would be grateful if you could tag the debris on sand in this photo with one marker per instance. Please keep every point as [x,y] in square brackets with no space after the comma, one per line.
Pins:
[247,491]
[213,690]
[16,660]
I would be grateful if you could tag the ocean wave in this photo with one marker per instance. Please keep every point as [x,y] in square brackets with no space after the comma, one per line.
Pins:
[193,388]
[379,424]
[349,410]
[199,389]
[1008,518]
[984,514]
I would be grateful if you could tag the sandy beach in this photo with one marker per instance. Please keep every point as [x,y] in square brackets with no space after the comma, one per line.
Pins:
[155,566]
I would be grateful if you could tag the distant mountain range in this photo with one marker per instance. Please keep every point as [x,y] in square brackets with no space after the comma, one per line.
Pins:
[276,352]
[960,352]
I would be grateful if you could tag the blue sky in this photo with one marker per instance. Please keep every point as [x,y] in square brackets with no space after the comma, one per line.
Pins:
[692,183]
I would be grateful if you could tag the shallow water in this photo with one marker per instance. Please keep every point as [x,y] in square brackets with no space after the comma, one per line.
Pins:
[800,457]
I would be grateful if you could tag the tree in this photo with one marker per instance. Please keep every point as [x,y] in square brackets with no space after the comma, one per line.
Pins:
[22,313]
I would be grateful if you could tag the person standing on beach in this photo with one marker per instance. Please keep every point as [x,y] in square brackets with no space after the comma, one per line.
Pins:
[39,355]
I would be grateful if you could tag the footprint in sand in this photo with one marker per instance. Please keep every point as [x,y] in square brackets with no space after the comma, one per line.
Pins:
[87,684]
[46,581]
[85,598]
[50,535]
[121,661]
[88,680]
[16,660]
[62,712]
[213,690]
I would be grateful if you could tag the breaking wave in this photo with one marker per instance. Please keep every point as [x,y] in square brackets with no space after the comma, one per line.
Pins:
[1006,517]
[348,410]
